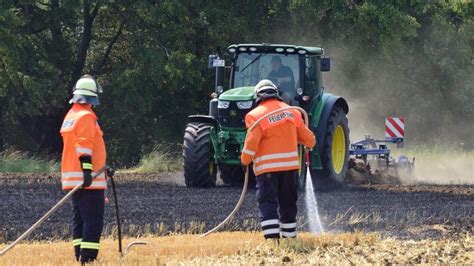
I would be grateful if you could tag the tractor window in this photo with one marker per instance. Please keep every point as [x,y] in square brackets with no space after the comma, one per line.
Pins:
[312,75]
[282,69]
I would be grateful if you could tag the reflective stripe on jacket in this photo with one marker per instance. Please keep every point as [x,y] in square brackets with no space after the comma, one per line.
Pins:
[273,145]
[81,135]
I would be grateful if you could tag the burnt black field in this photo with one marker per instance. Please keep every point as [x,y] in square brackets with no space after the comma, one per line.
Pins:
[160,205]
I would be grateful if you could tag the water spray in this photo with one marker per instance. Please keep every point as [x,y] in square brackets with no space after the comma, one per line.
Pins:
[314,221]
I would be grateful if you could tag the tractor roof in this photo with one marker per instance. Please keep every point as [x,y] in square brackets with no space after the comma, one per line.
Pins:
[275,48]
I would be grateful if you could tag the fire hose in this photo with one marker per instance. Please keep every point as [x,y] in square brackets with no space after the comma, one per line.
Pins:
[48,214]
[246,179]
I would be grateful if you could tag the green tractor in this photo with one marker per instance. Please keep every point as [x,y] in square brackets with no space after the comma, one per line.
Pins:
[214,142]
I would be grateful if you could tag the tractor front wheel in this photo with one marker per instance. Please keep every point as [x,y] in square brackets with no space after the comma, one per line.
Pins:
[199,167]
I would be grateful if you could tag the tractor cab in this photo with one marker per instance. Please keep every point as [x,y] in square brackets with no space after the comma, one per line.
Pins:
[296,70]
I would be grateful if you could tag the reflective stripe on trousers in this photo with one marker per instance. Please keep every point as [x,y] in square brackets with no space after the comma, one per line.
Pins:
[90,245]
[288,229]
[76,242]
[271,228]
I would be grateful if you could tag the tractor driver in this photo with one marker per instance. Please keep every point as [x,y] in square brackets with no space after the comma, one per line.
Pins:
[283,76]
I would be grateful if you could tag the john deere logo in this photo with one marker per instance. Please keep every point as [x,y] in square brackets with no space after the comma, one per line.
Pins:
[233,113]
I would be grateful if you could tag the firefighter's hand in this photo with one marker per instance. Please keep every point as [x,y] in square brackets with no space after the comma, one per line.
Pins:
[87,178]
[110,171]
[86,165]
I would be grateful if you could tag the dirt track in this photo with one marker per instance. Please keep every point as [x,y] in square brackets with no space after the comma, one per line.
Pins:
[159,204]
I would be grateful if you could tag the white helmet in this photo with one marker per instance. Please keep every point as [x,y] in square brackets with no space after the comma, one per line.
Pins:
[264,85]
[86,91]
[266,89]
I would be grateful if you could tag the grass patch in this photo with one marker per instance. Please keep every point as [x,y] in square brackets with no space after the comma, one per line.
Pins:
[163,158]
[21,162]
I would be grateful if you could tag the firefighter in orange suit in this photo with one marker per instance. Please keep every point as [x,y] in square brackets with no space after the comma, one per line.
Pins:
[273,148]
[84,154]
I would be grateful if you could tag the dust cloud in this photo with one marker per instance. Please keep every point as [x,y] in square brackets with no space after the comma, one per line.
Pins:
[453,169]
[375,91]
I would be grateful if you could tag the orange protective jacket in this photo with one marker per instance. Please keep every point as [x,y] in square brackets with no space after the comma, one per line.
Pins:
[273,145]
[81,136]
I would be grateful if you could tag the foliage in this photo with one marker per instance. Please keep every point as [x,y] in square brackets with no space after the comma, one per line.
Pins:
[161,159]
[412,58]
[20,162]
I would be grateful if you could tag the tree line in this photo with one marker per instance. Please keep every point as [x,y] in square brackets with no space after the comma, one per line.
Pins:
[412,57]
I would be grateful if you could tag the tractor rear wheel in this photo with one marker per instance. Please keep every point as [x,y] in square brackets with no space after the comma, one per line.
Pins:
[335,153]
[199,167]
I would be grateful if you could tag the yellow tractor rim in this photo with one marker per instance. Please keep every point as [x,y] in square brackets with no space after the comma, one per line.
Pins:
[338,149]
[301,154]
[211,167]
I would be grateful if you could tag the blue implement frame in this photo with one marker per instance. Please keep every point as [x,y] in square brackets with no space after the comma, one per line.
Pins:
[369,146]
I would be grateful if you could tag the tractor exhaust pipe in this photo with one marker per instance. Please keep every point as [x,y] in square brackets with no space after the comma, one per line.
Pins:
[219,64]
[219,79]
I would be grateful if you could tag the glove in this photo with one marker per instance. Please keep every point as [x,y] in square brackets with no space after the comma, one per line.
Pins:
[86,165]
[110,171]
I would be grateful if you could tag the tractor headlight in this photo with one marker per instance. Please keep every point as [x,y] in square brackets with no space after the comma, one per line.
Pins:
[244,105]
[223,105]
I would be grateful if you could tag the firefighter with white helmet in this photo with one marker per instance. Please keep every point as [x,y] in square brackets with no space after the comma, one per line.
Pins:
[84,154]
[273,148]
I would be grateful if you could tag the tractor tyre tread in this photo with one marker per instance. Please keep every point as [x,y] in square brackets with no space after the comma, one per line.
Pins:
[197,153]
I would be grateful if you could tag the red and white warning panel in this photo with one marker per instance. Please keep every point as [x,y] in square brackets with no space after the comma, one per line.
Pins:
[394,127]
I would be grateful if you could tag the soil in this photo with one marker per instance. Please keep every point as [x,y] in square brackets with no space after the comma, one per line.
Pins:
[160,204]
